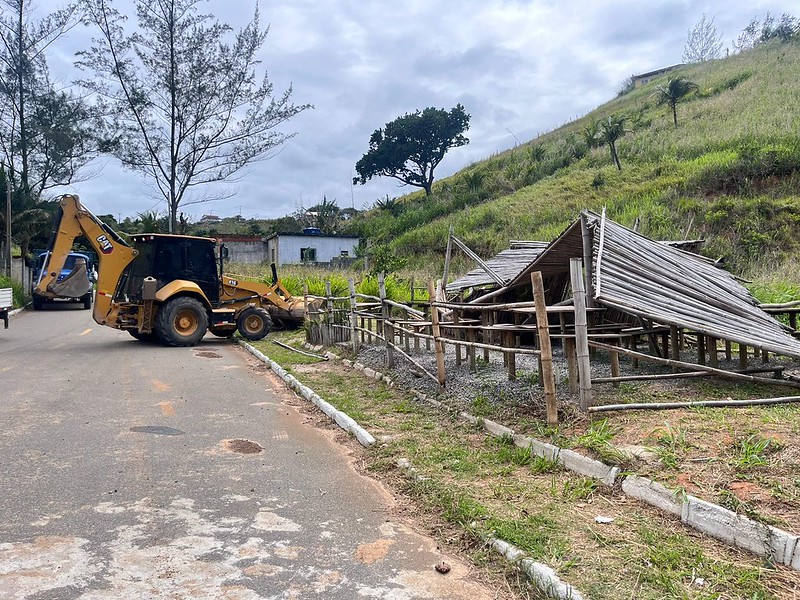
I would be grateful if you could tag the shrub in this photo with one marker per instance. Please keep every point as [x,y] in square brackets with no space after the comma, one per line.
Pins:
[20,298]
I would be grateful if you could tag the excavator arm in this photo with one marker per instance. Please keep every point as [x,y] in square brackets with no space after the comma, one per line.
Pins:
[114,254]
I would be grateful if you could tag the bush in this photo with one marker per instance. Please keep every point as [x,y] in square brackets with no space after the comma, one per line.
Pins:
[20,298]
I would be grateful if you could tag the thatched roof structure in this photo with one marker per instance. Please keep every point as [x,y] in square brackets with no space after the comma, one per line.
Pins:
[508,264]
[660,283]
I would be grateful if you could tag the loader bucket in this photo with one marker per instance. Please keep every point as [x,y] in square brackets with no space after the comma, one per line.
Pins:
[74,285]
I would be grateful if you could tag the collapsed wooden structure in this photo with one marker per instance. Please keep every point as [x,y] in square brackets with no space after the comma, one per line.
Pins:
[604,287]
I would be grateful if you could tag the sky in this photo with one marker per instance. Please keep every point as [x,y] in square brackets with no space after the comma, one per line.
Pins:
[519,67]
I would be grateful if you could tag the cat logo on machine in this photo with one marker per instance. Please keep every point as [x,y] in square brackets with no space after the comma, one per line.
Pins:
[233,282]
[106,247]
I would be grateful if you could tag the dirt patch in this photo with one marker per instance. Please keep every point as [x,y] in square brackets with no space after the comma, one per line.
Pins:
[242,446]
[373,551]
[207,354]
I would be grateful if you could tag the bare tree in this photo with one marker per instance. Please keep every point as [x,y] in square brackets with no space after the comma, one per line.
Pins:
[749,37]
[182,97]
[45,133]
[703,42]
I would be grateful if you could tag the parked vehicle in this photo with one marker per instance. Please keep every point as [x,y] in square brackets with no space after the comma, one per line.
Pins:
[6,302]
[165,287]
[74,260]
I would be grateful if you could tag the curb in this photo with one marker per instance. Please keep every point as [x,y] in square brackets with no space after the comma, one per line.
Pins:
[777,545]
[541,576]
[15,312]
[341,419]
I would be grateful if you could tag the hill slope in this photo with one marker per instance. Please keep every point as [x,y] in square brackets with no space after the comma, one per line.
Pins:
[728,173]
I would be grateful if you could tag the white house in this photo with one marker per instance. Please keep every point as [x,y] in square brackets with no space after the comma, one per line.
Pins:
[311,246]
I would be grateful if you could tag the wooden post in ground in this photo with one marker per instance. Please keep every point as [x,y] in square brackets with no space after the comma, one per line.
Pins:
[457,336]
[438,345]
[742,357]
[428,317]
[728,350]
[487,338]
[634,345]
[581,333]
[543,328]
[388,331]
[572,365]
[306,317]
[471,337]
[701,349]
[511,357]
[675,344]
[713,357]
[353,317]
[614,363]
[328,338]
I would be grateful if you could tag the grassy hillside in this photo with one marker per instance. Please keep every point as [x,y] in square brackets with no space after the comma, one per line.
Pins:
[729,173]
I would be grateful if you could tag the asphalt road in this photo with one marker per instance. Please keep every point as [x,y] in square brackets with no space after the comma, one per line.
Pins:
[130,470]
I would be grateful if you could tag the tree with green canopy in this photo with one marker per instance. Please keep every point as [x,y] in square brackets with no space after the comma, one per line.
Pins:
[611,129]
[412,146]
[670,94]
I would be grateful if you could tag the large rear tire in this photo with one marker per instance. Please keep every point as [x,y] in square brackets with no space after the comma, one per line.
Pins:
[254,323]
[181,321]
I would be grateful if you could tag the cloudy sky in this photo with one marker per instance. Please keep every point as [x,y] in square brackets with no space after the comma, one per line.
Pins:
[519,67]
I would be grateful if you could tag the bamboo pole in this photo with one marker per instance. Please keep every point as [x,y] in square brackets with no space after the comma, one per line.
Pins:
[471,351]
[706,403]
[447,257]
[581,337]
[511,357]
[546,356]
[437,344]
[712,352]
[456,333]
[742,356]
[353,317]
[572,365]
[388,332]
[691,367]
[586,238]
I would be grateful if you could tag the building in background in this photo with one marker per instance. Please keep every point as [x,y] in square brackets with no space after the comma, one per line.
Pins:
[310,247]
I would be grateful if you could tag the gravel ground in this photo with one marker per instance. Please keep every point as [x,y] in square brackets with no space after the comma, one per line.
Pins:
[490,381]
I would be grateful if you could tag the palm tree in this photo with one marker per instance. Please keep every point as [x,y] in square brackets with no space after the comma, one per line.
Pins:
[676,88]
[611,129]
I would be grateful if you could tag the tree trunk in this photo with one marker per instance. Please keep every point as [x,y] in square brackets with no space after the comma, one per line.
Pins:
[675,115]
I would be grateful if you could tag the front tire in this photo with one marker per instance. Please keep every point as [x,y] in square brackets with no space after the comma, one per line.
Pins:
[87,301]
[181,321]
[254,323]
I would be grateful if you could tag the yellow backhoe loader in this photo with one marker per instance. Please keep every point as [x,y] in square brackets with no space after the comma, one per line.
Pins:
[163,287]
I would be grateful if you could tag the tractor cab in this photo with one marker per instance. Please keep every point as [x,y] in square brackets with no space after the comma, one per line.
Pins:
[167,258]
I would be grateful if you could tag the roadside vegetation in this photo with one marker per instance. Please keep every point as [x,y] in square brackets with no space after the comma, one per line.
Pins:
[728,173]
[467,485]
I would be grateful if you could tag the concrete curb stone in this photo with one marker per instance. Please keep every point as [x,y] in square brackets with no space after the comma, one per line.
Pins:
[715,521]
[341,419]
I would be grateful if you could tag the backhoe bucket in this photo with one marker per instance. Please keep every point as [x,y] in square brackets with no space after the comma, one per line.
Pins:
[74,285]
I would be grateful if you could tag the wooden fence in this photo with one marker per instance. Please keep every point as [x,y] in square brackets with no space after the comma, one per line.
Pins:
[521,328]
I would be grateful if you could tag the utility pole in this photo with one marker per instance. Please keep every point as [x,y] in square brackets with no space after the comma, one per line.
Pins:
[8,227]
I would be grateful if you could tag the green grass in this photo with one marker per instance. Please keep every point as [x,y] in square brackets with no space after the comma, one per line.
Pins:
[728,174]
[468,486]
[19,296]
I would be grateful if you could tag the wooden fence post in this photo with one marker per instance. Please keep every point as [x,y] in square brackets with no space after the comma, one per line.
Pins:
[457,336]
[388,331]
[543,327]
[581,332]
[438,345]
[353,317]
